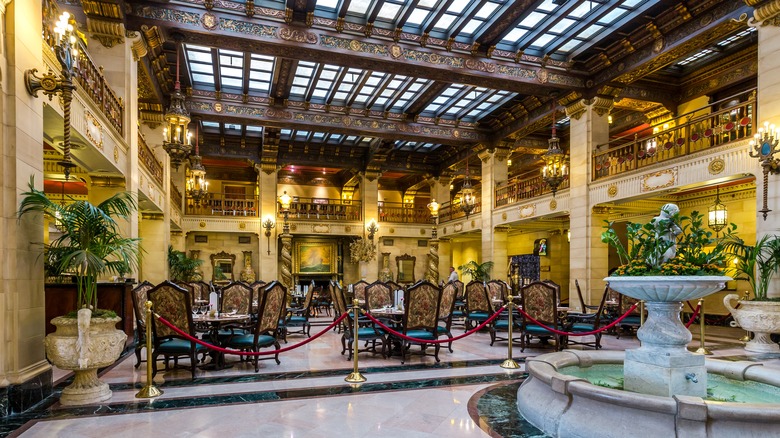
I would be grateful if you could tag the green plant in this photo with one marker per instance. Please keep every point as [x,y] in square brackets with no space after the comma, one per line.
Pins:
[670,244]
[91,243]
[182,268]
[477,271]
[755,263]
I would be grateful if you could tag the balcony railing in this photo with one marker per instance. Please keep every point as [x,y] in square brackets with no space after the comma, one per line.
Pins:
[451,210]
[220,204]
[398,212]
[522,188]
[324,209]
[175,196]
[149,161]
[725,121]
[91,79]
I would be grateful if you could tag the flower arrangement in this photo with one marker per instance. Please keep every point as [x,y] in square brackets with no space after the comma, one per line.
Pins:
[362,250]
[670,244]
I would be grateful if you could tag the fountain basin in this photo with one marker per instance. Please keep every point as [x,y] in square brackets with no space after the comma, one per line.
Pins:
[568,406]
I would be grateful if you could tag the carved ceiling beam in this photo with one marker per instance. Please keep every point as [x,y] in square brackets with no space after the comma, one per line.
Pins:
[105,21]
[263,114]
[275,39]
[376,158]
[270,151]
[714,23]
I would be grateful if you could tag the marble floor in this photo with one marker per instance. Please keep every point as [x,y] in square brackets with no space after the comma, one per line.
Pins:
[467,394]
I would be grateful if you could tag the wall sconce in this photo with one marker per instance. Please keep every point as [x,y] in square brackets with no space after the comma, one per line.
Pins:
[285,200]
[764,147]
[372,228]
[51,85]
[268,224]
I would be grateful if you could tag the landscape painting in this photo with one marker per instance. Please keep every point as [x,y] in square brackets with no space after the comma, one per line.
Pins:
[314,257]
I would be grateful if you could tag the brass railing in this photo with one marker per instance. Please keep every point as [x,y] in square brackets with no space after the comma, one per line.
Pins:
[525,187]
[175,196]
[149,161]
[220,204]
[324,209]
[91,79]
[452,210]
[398,212]
[727,120]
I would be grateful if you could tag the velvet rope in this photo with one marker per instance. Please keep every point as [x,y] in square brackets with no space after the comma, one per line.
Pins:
[592,332]
[246,353]
[438,341]
[695,313]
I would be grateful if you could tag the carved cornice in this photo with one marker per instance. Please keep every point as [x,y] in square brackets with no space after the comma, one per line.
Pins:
[576,109]
[107,181]
[603,104]
[767,14]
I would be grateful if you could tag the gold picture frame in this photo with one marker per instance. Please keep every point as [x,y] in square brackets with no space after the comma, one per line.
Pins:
[315,257]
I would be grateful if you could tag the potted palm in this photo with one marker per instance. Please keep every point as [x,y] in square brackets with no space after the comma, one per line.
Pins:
[183,268]
[756,264]
[90,246]
[477,271]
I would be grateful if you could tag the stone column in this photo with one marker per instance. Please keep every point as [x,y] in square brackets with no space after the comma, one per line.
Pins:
[152,227]
[588,256]
[369,197]
[25,375]
[494,241]
[766,21]
[267,200]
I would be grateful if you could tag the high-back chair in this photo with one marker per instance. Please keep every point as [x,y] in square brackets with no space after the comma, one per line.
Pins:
[630,323]
[459,313]
[421,318]
[140,296]
[371,335]
[189,288]
[377,295]
[393,286]
[498,291]
[270,308]
[358,290]
[297,320]
[585,308]
[173,303]
[237,297]
[257,286]
[587,322]
[446,309]
[539,299]
[478,306]
[201,290]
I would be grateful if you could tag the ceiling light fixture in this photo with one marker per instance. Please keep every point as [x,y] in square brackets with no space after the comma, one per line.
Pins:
[197,186]
[467,200]
[176,138]
[554,170]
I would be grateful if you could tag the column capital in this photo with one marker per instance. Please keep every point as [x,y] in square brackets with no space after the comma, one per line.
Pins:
[603,104]
[768,13]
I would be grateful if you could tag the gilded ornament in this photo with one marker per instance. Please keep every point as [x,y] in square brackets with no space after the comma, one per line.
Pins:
[612,191]
[202,224]
[354,46]
[209,21]
[716,166]
[242,226]
[116,154]
[503,215]
[218,107]
[658,45]
[553,205]
[395,51]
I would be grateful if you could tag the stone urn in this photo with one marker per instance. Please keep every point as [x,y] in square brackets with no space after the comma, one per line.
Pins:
[760,317]
[84,348]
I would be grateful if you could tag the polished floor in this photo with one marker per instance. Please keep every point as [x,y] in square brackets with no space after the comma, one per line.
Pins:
[467,394]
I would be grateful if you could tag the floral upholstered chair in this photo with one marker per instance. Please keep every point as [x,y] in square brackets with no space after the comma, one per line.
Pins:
[421,318]
[236,297]
[140,296]
[265,333]
[478,307]
[446,309]
[174,304]
[297,320]
[498,291]
[358,291]
[378,295]
[257,288]
[539,300]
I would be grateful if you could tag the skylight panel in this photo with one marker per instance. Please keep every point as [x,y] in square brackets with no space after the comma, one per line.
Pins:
[612,16]
[320,93]
[486,11]
[208,124]
[358,7]
[251,128]
[389,11]
[327,4]
[361,98]
[209,79]
[395,83]
[417,16]
[542,40]
[231,82]
[260,76]
[319,135]
[232,127]
[590,31]
[561,26]
[426,3]
[547,6]
[532,20]
[470,27]
[234,72]
[304,71]
[458,6]
[199,56]
[569,46]
[373,80]
[345,87]
[514,35]
[380,101]
[631,3]
[231,61]
[581,10]
[327,74]
[201,68]
[444,22]
[286,131]
[340,95]
[297,91]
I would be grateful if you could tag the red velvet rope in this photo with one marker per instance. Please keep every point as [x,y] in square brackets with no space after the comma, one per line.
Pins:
[246,353]
[695,313]
[592,332]
[438,341]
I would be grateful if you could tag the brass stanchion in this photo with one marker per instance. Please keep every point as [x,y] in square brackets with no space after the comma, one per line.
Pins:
[641,313]
[510,363]
[355,376]
[149,390]
[747,337]
[702,349]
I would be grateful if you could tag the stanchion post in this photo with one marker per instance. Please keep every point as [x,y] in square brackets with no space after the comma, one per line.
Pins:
[641,313]
[510,363]
[149,390]
[702,348]
[355,376]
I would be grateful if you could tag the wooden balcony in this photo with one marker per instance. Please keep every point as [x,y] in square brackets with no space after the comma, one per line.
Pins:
[324,209]
[725,121]
[523,188]
[400,213]
[149,162]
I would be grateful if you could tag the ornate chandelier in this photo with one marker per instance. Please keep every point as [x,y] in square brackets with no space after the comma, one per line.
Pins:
[197,186]
[718,216]
[467,199]
[176,138]
[554,170]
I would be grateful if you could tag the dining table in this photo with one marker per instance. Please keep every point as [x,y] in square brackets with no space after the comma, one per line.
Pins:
[213,323]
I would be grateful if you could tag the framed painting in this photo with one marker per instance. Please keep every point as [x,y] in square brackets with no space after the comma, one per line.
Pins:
[315,257]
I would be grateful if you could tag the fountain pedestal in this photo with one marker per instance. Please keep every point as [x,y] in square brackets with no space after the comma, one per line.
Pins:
[663,365]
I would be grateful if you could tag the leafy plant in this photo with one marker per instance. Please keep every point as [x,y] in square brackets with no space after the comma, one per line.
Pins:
[670,244]
[182,268]
[91,243]
[755,263]
[477,271]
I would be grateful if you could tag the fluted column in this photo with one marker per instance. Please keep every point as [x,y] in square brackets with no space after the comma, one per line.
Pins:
[494,172]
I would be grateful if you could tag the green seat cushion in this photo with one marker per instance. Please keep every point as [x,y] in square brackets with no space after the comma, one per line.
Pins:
[503,324]
[421,334]
[478,316]
[534,329]
[297,320]
[441,330]
[246,341]
[581,327]
[630,320]
[177,346]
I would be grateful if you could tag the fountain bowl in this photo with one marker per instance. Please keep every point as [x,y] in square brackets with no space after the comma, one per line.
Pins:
[666,288]
[568,406]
